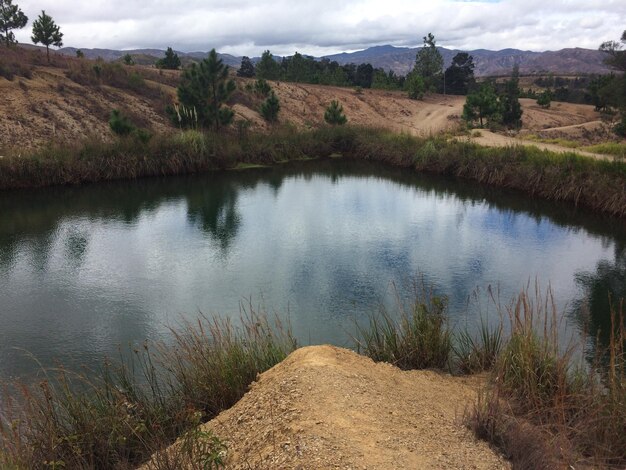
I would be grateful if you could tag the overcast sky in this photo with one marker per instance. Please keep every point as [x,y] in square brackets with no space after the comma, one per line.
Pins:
[247,27]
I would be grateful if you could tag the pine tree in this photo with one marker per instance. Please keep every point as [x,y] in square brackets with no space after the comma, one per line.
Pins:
[205,87]
[267,67]
[429,63]
[460,75]
[11,17]
[334,114]
[246,69]
[45,31]
[482,105]
[270,108]
[511,107]
[171,61]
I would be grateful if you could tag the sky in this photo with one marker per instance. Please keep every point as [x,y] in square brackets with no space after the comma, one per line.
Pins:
[323,27]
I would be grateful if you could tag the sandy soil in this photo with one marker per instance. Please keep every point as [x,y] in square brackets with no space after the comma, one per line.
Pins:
[325,407]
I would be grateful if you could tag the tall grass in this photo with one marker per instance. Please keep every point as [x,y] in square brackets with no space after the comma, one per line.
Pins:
[417,337]
[131,409]
[598,185]
[543,407]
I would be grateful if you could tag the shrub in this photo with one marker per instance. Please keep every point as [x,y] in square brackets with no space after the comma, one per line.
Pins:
[262,88]
[334,114]
[120,124]
[270,108]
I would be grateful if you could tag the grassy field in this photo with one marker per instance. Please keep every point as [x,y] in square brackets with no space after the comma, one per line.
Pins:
[597,185]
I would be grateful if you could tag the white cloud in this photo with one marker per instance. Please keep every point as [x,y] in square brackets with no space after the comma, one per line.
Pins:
[324,27]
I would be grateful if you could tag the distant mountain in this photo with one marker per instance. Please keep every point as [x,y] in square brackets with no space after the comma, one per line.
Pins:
[147,56]
[488,63]
[402,59]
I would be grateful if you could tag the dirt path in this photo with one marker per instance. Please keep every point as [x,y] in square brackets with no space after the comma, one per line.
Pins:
[491,139]
[325,407]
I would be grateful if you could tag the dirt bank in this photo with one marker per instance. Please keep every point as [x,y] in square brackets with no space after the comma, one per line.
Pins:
[325,407]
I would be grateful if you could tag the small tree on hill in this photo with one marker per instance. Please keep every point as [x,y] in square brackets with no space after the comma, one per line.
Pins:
[128,60]
[171,61]
[267,67]
[246,69]
[334,114]
[414,86]
[80,54]
[482,105]
[205,87]
[544,99]
[261,87]
[429,63]
[120,124]
[11,17]
[46,32]
[270,108]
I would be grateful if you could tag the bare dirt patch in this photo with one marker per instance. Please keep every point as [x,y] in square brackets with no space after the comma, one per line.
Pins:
[325,407]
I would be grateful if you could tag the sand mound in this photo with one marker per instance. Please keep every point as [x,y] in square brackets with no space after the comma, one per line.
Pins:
[325,407]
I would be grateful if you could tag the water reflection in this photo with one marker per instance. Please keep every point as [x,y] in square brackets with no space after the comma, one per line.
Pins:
[84,270]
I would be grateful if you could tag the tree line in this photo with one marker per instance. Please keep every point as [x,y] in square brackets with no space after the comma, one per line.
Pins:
[427,75]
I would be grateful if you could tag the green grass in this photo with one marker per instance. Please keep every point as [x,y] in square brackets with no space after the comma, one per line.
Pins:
[610,148]
[415,338]
[572,144]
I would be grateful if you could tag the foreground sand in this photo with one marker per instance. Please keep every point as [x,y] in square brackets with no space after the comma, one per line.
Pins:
[325,407]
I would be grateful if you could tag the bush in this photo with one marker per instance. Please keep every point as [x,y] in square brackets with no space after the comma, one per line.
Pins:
[120,124]
[270,108]
[262,88]
[334,114]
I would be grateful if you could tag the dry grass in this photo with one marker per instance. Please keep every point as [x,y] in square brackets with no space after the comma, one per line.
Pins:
[119,416]
[545,409]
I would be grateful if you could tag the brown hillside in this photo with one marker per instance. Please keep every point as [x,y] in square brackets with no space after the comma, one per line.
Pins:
[71,99]
[325,407]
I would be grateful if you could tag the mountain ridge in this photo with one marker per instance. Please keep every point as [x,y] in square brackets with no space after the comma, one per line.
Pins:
[566,61]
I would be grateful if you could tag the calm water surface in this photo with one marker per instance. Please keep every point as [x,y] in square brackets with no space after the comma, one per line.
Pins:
[85,271]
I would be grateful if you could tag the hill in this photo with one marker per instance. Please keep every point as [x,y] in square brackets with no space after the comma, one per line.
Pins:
[71,99]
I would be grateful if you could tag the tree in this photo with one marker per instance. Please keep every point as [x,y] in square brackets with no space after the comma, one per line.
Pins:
[414,85]
[270,108]
[45,31]
[616,55]
[246,69]
[128,60]
[364,75]
[544,99]
[429,63]
[80,54]
[511,107]
[459,77]
[120,124]
[334,114]
[171,61]
[205,87]
[11,17]
[267,67]
[483,105]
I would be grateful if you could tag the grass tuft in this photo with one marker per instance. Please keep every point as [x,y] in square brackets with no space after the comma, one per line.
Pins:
[415,339]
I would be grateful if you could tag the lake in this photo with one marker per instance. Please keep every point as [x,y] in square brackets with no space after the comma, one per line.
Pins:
[87,271]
